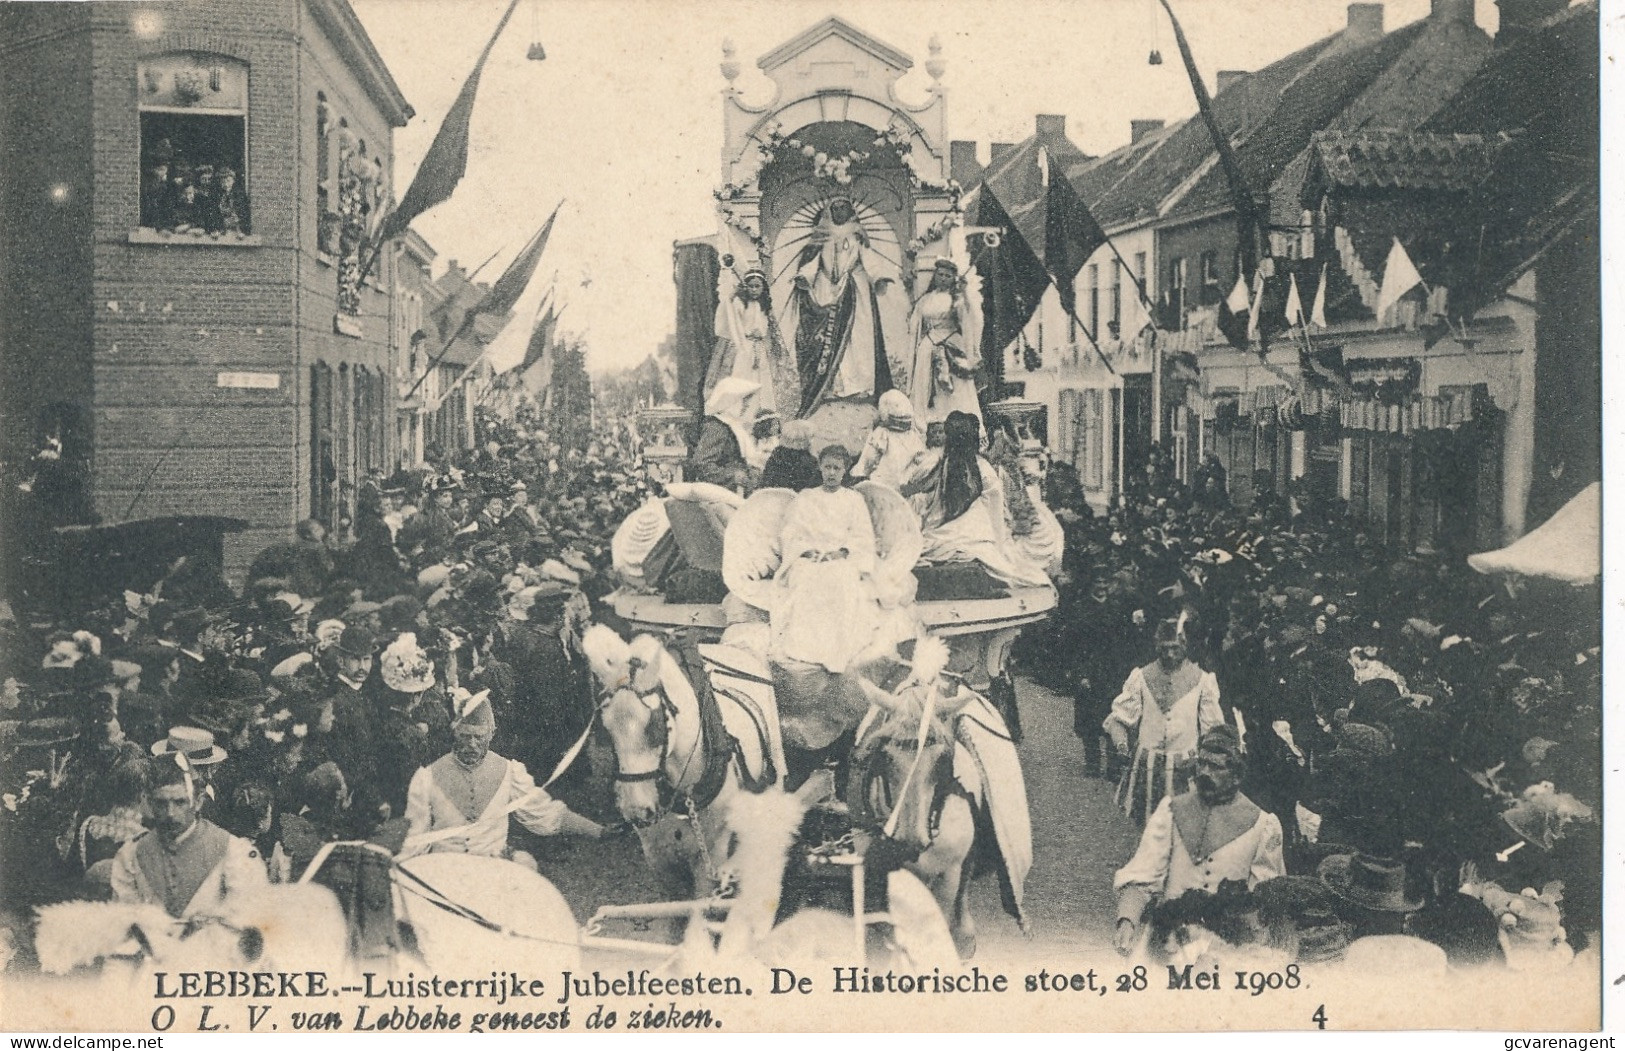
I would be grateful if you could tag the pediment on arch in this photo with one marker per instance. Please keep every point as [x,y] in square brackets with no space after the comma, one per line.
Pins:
[834,55]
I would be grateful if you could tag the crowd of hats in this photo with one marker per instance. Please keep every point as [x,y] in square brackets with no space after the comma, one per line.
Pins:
[1403,714]
[242,684]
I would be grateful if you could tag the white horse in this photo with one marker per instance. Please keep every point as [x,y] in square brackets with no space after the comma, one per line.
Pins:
[651,713]
[451,914]
[685,759]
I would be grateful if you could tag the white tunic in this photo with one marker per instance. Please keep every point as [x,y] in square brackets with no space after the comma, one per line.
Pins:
[828,611]
[1166,866]
[446,795]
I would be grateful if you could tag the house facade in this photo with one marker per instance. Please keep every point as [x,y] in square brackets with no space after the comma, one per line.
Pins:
[191,188]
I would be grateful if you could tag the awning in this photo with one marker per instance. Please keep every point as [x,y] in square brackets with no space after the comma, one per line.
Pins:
[1566,547]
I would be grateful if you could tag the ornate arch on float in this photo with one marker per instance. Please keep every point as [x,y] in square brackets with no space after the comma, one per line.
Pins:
[830,74]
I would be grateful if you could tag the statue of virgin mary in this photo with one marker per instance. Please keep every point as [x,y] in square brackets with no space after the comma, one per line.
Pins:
[844,304]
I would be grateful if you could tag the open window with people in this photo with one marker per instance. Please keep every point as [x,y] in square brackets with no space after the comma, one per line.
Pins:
[193,146]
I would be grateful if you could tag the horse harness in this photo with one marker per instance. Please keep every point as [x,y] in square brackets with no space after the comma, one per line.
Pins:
[718,756]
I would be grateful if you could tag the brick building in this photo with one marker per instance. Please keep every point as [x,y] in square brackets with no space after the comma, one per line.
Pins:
[183,226]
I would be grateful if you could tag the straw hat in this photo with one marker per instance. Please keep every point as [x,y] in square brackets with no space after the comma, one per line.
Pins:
[195,743]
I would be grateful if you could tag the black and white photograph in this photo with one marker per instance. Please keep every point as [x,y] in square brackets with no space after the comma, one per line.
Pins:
[533,516]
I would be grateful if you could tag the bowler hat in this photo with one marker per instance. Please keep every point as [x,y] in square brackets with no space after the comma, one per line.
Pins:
[357,641]
[1371,882]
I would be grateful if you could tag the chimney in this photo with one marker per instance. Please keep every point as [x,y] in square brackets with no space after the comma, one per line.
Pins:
[1228,77]
[1365,23]
[1452,12]
[1139,129]
[963,167]
[1000,151]
[1051,126]
[1521,18]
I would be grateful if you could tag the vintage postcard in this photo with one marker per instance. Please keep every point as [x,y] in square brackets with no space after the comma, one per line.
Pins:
[532,516]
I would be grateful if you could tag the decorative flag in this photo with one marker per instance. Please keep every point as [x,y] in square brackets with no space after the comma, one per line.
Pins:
[500,300]
[1013,283]
[1071,235]
[541,337]
[1317,314]
[1398,277]
[1251,221]
[1257,305]
[1268,314]
[511,285]
[1235,314]
[443,166]
[1294,304]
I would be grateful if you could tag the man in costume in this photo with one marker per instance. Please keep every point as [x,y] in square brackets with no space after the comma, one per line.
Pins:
[461,802]
[1159,718]
[1198,840]
[187,864]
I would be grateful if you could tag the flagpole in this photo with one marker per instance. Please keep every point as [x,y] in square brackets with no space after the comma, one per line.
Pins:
[1255,243]
[1139,286]
[1098,352]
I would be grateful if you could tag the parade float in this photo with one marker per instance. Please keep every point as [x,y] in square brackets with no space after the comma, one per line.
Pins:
[836,214]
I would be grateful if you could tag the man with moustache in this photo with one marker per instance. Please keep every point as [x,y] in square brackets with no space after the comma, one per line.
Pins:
[186,863]
[1198,840]
[461,802]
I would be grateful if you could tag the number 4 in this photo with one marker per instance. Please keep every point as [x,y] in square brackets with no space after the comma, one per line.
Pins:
[1319,1017]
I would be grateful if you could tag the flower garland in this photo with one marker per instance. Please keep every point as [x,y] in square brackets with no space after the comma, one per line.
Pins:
[892,145]
[935,232]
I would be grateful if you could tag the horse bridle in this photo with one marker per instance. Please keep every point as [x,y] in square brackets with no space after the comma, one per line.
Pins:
[668,711]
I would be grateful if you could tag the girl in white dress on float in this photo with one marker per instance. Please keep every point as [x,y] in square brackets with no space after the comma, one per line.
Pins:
[826,614]
[1160,715]
[895,453]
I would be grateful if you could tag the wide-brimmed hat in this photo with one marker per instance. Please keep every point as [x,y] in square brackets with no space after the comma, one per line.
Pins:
[286,605]
[1370,882]
[525,599]
[405,667]
[291,666]
[42,733]
[196,743]
[1322,937]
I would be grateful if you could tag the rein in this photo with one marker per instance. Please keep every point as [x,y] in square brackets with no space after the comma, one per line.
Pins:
[714,740]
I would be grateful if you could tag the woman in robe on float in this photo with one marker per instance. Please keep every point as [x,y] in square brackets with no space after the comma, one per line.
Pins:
[725,447]
[960,502]
[947,338]
[841,310]
[828,613]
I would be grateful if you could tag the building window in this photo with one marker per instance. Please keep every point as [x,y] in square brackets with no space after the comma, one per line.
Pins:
[1091,457]
[1094,300]
[1176,294]
[1139,276]
[193,150]
[1116,304]
[1210,278]
[327,240]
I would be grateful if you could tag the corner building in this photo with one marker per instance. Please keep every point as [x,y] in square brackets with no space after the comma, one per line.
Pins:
[189,195]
